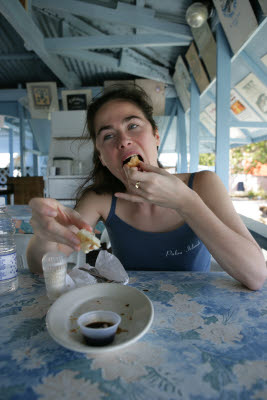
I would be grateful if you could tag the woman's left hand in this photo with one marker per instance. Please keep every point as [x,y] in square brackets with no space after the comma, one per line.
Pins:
[155,185]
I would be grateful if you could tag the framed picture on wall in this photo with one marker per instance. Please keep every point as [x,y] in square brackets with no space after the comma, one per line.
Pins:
[42,99]
[76,99]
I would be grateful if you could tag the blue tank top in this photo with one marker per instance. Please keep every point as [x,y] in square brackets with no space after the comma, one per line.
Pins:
[178,250]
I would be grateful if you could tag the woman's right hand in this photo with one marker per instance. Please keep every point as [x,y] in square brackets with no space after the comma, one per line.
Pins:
[54,222]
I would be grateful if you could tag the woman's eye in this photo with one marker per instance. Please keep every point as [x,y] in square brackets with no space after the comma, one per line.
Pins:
[132,126]
[108,136]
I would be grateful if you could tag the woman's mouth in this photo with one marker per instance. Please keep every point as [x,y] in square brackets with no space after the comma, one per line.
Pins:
[133,160]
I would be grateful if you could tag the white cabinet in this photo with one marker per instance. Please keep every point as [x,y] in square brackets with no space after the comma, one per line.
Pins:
[67,128]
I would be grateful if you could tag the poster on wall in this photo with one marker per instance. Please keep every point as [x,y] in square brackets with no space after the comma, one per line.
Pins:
[73,100]
[197,68]
[207,47]
[255,93]
[241,110]
[182,82]
[42,99]
[238,21]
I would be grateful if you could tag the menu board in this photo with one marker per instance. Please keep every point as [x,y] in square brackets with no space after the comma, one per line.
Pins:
[182,82]
[241,110]
[197,68]
[238,21]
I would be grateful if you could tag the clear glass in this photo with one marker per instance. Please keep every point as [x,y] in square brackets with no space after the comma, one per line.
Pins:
[8,256]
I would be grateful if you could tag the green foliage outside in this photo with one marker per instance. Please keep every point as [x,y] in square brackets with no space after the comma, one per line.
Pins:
[242,159]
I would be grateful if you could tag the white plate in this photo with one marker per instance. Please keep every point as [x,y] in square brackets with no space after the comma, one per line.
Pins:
[134,307]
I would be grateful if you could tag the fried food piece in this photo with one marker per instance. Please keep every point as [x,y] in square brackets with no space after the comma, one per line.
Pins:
[88,240]
[134,162]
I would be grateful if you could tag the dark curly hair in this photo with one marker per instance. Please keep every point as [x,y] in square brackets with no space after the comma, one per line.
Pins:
[101,180]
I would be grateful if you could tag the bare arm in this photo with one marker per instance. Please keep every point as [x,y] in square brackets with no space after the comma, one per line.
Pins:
[221,229]
[208,210]
[54,227]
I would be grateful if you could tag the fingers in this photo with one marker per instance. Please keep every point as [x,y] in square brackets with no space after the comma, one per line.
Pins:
[56,223]
[44,206]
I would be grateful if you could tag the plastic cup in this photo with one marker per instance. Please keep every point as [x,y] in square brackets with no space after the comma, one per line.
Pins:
[55,269]
[105,326]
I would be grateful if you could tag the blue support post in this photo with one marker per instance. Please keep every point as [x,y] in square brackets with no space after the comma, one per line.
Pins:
[10,145]
[22,138]
[194,127]
[168,128]
[178,144]
[223,86]
[35,157]
[182,137]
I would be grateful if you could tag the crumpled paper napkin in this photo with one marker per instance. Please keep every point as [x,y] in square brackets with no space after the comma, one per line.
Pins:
[107,266]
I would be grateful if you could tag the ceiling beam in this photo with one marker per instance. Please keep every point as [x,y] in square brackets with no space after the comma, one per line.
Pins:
[130,62]
[85,28]
[15,14]
[125,14]
[111,41]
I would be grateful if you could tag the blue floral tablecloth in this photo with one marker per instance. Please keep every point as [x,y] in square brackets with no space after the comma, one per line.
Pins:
[208,341]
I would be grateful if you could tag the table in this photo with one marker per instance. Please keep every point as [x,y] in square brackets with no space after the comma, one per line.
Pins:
[208,341]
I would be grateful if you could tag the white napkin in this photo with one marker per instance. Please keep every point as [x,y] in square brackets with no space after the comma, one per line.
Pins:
[107,265]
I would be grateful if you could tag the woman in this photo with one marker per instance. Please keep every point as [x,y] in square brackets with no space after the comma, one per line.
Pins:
[155,220]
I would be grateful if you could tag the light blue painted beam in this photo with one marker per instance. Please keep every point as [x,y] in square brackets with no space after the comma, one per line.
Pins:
[223,86]
[163,140]
[194,126]
[178,144]
[182,136]
[22,138]
[112,41]
[257,67]
[247,124]
[126,14]
[15,14]
[10,145]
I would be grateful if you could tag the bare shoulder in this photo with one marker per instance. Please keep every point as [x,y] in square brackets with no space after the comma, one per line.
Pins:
[93,205]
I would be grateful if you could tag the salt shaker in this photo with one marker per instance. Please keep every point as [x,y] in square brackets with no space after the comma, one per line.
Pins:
[55,269]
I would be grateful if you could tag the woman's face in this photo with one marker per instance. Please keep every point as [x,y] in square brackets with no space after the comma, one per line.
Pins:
[122,131]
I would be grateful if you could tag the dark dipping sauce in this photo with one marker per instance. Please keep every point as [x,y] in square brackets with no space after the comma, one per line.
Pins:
[103,341]
[99,325]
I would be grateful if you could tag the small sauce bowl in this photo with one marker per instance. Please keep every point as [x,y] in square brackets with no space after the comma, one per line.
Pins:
[99,327]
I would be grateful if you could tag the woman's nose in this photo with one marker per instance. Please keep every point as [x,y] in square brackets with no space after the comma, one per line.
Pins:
[124,140]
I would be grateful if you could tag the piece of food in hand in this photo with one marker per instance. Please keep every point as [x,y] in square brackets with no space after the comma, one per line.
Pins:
[134,161]
[88,240]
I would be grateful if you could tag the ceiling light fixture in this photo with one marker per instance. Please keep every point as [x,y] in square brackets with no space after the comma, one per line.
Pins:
[197,14]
